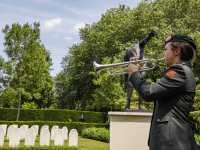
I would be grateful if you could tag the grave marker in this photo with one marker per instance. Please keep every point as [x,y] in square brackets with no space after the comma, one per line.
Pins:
[30,137]
[54,128]
[73,137]
[10,128]
[44,137]
[2,134]
[14,138]
[58,138]
[65,132]
[4,127]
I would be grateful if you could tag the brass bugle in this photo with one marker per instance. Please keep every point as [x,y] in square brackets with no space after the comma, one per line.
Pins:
[98,67]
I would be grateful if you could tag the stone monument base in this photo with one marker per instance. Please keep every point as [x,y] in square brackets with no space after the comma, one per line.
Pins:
[129,130]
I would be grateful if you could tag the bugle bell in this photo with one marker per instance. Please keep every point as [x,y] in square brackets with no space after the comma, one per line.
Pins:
[98,67]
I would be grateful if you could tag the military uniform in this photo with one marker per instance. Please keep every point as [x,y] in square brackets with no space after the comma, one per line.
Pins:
[173,97]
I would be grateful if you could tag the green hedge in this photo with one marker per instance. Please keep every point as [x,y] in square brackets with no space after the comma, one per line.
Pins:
[8,114]
[99,134]
[40,148]
[197,138]
[195,121]
[79,126]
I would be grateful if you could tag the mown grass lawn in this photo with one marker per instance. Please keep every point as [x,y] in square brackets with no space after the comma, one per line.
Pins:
[83,144]
[88,144]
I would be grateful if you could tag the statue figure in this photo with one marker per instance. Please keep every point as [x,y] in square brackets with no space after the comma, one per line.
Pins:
[135,51]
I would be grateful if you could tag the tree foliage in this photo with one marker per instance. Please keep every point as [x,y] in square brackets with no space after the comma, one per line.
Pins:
[26,73]
[118,29]
[109,94]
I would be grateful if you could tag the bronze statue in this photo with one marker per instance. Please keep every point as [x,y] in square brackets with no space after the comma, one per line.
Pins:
[135,51]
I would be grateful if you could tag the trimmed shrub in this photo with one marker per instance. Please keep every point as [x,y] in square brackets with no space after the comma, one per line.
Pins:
[197,138]
[40,148]
[196,105]
[58,115]
[79,126]
[99,134]
[195,121]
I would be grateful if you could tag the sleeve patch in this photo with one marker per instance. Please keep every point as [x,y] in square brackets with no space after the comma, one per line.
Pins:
[171,74]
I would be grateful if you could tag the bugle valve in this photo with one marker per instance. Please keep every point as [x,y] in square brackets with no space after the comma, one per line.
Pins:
[98,67]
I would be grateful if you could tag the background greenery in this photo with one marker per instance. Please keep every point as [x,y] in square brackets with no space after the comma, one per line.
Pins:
[53,115]
[25,80]
[25,76]
[106,41]
[99,134]
[195,121]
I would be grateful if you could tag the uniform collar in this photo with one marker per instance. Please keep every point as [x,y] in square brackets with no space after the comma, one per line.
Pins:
[184,63]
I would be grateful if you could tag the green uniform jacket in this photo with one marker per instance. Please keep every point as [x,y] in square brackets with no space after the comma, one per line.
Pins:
[173,97]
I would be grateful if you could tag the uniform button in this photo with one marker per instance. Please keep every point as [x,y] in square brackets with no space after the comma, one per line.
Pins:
[158,120]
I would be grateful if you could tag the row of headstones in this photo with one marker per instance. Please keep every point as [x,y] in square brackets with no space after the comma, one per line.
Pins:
[15,134]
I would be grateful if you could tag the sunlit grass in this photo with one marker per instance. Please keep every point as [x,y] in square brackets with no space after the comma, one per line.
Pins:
[88,144]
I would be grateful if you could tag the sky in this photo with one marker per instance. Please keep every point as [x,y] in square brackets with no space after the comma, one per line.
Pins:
[60,21]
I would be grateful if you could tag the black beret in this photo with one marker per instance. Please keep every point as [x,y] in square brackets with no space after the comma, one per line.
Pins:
[180,38]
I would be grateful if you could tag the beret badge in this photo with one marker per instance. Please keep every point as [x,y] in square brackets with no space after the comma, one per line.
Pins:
[168,38]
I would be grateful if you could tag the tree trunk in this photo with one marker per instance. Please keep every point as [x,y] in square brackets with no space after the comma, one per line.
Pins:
[18,108]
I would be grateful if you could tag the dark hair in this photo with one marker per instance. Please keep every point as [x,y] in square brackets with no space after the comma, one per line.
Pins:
[187,51]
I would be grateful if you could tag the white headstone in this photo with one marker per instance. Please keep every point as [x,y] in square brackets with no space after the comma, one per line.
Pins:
[30,137]
[36,128]
[65,132]
[4,127]
[54,128]
[73,137]
[26,127]
[14,138]
[44,127]
[58,138]
[2,134]
[22,132]
[10,128]
[44,137]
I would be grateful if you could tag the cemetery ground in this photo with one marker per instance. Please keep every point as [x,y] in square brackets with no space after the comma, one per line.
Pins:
[83,144]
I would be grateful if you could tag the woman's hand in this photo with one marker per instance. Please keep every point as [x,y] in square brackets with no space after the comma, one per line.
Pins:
[133,67]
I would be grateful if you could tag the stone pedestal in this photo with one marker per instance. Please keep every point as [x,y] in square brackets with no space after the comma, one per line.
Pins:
[129,130]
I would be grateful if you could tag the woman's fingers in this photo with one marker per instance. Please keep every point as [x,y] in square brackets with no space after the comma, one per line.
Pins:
[137,64]
[142,64]
[133,59]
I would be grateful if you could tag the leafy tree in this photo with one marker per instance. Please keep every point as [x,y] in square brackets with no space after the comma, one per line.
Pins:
[196,67]
[109,94]
[118,29]
[1,75]
[27,72]
[65,100]
[30,105]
